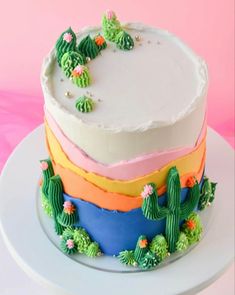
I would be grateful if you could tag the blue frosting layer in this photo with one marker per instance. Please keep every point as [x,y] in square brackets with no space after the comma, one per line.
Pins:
[117,231]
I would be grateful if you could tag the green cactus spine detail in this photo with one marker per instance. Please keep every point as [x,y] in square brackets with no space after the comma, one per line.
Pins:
[174,212]
[182,244]
[207,194]
[111,26]
[88,47]
[127,257]
[82,240]
[93,250]
[124,41]
[149,261]
[192,228]
[141,248]
[56,200]
[68,217]
[70,60]
[47,172]
[159,247]
[65,43]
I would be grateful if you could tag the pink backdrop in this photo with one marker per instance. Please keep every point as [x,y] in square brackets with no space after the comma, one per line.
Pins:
[28,29]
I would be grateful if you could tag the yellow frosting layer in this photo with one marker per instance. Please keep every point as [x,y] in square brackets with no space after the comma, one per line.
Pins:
[187,164]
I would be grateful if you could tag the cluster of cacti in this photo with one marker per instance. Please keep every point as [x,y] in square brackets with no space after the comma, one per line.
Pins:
[114,32]
[174,211]
[79,242]
[207,193]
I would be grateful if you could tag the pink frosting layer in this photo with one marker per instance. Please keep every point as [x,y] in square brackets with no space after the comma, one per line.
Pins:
[124,170]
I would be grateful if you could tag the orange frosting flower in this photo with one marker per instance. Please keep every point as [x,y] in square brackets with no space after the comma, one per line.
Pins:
[191,224]
[69,207]
[143,243]
[99,40]
[191,181]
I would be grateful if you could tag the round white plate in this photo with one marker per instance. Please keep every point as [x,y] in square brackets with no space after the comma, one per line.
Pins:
[23,228]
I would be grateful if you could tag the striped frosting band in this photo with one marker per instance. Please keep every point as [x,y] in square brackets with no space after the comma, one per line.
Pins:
[186,164]
[125,170]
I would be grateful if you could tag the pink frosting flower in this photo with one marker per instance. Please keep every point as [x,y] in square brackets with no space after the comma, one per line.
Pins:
[67,37]
[70,244]
[44,165]
[110,14]
[69,207]
[78,71]
[148,190]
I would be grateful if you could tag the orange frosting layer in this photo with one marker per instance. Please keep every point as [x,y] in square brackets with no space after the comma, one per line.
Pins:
[78,187]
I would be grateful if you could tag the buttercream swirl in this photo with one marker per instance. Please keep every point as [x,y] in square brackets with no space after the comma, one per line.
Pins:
[182,244]
[127,257]
[70,60]
[193,233]
[159,246]
[148,261]
[84,104]
[88,47]
[66,246]
[111,26]
[82,80]
[93,250]
[81,239]
[65,43]
[67,219]
[124,41]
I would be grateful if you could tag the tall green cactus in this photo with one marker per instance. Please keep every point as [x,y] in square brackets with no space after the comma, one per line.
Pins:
[175,211]
[47,172]
[56,200]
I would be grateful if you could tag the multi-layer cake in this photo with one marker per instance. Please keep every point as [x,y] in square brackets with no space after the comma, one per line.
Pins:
[125,121]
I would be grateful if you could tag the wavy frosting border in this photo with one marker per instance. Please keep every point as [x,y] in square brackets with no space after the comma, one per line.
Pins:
[124,170]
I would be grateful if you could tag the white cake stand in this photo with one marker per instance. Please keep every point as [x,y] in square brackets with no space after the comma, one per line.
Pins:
[35,251]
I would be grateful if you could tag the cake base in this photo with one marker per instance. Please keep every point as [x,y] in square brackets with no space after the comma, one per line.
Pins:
[30,246]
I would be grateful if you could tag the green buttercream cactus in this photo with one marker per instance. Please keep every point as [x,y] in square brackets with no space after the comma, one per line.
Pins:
[56,200]
[149,261]
[93,250]
[127,257]
[182,243]
[159,247]
[47,173]
[68,217]
[88,47]
[82,239]
[100,42]
[207,194]
[110,25]
[141,248]
[70,60]
[46,205]
[65,43]
[174,212]
[124,41]
[192,228]
[80,76]
[68,233]
[68,246]
[84,104]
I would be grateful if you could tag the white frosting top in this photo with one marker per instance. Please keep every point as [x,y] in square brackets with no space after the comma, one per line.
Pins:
[158,83]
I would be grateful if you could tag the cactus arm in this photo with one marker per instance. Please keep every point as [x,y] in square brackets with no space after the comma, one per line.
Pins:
[150,207]
[189,205]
